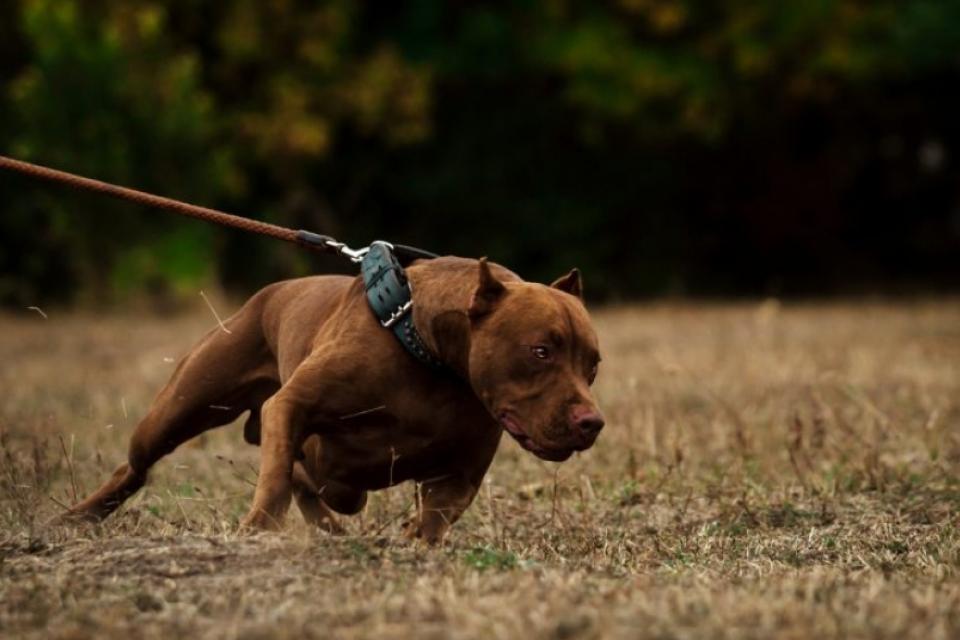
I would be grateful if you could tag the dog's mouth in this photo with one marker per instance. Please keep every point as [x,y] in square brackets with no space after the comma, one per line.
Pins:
[551,454]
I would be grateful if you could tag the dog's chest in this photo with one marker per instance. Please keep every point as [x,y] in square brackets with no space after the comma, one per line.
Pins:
[381,450]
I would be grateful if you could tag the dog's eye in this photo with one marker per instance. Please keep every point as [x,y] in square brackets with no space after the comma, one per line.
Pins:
[540,352]
[593,374]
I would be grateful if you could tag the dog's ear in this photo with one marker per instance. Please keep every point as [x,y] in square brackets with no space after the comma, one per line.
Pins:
[489,290]
[570,283]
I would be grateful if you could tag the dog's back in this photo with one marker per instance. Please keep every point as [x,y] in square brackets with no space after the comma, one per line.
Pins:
[291,313]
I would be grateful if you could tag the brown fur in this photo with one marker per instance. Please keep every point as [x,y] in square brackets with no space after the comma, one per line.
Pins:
[339,408]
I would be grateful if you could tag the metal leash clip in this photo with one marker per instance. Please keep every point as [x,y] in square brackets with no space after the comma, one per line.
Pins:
[340,248]
[355,255]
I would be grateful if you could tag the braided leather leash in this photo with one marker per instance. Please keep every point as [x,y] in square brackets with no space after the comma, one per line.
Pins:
[307,239]
[387,289]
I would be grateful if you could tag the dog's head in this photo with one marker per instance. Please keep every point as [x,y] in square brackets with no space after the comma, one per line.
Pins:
[533,357]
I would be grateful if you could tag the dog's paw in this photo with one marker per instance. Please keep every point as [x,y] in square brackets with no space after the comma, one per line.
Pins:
[420,533]
[331,526]
[257,521]
[410,529]
[73,517]
[67,518]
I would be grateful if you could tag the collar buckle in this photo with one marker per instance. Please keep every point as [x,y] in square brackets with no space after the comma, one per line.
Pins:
[390,297]
[397,314]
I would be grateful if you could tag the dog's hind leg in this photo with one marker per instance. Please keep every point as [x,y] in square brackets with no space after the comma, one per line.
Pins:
[318,497]
[310,502]
[124,482]
[159,433]
[225,375]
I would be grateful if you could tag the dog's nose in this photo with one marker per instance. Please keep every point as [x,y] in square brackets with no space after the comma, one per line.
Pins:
[589,421]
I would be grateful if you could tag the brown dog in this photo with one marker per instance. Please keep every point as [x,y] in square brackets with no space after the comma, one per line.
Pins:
[339,408]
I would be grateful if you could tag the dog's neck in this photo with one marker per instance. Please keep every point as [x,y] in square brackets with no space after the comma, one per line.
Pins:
[443,289]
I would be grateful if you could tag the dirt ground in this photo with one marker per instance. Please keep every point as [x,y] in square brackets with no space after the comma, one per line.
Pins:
[767,471]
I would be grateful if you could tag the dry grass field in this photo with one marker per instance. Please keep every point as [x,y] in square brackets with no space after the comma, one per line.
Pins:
[767,471]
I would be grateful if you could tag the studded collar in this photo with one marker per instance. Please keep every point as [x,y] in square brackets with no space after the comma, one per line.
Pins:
[391,300]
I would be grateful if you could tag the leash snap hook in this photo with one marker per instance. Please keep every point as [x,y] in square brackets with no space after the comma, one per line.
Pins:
[355,255]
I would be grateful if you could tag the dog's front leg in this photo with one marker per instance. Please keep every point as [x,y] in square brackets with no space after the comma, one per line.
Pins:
[281,436]
[309,398]
[441,502]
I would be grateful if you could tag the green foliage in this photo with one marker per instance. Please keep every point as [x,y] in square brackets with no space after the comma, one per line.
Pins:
[483,558]
[111,97]
[669,133]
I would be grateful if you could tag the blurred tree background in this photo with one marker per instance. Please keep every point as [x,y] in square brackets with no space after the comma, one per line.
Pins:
[667,147]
